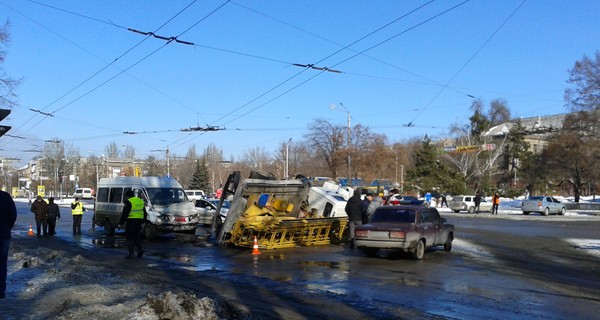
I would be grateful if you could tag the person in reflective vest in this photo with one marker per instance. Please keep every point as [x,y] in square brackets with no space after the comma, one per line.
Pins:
[77,210]
[133,216]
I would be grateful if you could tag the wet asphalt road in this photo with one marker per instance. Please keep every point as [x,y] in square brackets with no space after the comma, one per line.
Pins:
[501,267]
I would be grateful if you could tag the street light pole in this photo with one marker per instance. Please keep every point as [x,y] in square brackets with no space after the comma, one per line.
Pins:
[286,171]
[349,160]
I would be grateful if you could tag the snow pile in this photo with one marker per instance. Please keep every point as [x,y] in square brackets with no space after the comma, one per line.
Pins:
[180,305]
[45,283]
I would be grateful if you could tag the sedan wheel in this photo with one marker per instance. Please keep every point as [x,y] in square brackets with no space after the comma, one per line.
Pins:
[525,212]
[563,211]
[546,212]
[448,244]
[471,210]
[419,251]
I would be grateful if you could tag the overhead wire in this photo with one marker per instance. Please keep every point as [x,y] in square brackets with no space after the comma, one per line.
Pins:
[181,141]
[464,65]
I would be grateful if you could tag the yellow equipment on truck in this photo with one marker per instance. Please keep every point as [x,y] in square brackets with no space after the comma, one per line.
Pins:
[276,212]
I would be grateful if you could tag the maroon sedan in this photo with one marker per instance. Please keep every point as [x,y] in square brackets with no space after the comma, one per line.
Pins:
[410,228]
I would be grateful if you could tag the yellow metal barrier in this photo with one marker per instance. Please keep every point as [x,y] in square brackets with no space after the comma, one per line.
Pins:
[276,232]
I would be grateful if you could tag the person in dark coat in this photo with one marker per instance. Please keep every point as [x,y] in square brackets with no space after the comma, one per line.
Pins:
[354,210]
[477,201]
[53,215]
[40,209]
[8,216]
[134,213]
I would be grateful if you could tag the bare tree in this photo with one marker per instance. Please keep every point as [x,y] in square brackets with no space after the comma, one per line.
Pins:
[112,150]
[328,142]
[499,112]
[7,84]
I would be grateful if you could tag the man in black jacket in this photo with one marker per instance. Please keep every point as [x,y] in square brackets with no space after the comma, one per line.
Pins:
[354,210]
[8,216]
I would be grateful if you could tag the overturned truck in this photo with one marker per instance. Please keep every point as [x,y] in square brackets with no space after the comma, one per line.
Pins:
[276,212]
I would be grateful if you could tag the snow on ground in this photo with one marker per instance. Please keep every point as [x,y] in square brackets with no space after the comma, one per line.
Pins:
[51,284]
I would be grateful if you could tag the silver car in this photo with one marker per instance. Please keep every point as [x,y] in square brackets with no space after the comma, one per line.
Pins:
[544,204]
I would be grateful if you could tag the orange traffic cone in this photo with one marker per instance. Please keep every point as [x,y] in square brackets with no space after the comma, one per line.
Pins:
[255,248]
[30,230]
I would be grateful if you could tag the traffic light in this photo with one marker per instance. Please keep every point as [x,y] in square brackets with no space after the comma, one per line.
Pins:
[3,114]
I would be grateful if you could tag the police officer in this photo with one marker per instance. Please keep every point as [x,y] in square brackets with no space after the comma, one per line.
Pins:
[77,212]
[134,213]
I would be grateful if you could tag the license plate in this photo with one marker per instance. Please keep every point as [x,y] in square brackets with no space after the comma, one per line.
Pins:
[181,219]
[379,234]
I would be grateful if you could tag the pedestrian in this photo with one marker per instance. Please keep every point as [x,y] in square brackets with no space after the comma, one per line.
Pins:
[375,203]
[365,205]
[77,210]
[495,203]
[354,211]
[40,209]
[133,216]
[428,199]
[53,215]
[392,196]
[29,197]
[93,228]
[477,201]
[444,199]
[8,216]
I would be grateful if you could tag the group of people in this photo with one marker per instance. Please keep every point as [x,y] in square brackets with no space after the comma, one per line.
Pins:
[495,202]
[359,209]
[48,213]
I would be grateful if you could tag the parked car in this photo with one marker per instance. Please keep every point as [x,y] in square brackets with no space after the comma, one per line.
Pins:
[398,199]
[410,228]
[194,195]
[543,204]
[467,203]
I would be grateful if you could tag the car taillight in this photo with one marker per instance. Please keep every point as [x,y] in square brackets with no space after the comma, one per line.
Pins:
[360,233]
[395,202]
[397,234]
[539,203]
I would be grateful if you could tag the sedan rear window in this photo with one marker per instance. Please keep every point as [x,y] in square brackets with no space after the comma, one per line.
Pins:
[394,215]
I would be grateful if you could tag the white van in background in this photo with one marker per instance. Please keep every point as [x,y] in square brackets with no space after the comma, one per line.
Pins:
[194,195]
[83,193]
[166,203]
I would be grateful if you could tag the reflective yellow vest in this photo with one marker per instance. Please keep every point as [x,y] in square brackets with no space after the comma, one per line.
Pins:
[137,208]
[78,209]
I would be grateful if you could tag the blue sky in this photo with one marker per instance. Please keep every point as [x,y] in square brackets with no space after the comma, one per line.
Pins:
[79,62]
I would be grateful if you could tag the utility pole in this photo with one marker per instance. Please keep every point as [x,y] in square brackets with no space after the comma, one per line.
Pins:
[348,139]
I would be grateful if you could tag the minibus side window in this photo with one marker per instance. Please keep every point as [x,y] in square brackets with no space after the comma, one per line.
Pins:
[102,195]
[116,195]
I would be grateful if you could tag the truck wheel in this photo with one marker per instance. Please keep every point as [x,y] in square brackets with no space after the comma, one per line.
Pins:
[448,244]
[150,231]
[419,250]
[108,227]
[546,212]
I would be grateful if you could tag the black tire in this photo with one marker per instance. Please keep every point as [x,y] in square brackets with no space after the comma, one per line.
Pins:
[456,211]
[149,231]
[448,244]
[370,252]
[471,210]
[108,227]
[419,251]
[546,212]
[563,211]
[526,213]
